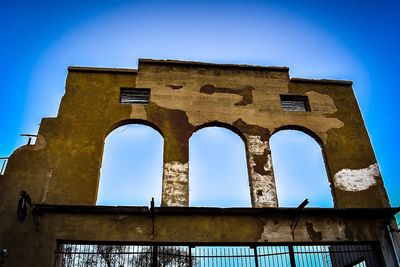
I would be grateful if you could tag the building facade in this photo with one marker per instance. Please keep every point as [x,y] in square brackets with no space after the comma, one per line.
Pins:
[61,170]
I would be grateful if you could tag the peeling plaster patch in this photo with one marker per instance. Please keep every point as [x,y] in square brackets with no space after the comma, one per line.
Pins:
[263,185]
[268,165]
[179,99]
[217,102]
[357,180]
[263,191]
[139,230]
[256,145]
[176,170]
[138,112]
[321,102]
[46,185]
[273,231]
[175,187]
[245,93]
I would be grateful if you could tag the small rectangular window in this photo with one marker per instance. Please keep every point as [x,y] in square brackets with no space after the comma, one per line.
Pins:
[294,103]
[135,95]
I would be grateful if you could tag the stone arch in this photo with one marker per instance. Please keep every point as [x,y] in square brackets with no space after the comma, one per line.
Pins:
[137,174]
[313,135]
[303,129]
[222,125]
[240,179]
[307,133]
[133,121]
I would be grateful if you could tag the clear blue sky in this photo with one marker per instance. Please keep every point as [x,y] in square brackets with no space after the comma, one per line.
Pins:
[352,40]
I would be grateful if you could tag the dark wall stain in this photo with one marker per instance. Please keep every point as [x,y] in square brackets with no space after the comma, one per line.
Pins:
[314,235]
[348,233]
[173,86]
[252,129]
[246,93]
[260,161]
[175,126]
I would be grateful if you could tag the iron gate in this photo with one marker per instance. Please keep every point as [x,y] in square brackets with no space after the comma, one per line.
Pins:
[161,255]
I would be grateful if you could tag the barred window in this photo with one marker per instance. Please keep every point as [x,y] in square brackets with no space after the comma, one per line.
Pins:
[294,103]
[135,95]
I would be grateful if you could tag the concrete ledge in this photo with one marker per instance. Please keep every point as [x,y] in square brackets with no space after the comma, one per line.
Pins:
[102,70]
[193,244]
[347,212]
[321,81]
[87,209]
[211,65]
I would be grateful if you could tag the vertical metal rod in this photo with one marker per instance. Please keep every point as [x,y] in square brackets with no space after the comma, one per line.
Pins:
[255,255]
[291,255]
[155,258]
[190,256]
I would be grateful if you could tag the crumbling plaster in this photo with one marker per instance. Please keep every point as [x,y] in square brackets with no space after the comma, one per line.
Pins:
[263,109]
[357,180]
[63,167]
[183,98]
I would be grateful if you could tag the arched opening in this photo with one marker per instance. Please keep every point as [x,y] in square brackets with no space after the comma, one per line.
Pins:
[218,174]
[131,172]
[299,170]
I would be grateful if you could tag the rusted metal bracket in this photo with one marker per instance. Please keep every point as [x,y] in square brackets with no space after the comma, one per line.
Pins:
[296,216]
[29,137]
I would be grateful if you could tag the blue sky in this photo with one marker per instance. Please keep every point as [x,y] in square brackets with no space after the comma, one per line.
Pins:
[352,40]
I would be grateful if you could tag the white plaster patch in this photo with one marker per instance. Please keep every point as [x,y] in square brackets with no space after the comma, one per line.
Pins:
[256,146]
[175,196]
[264,184]
[176,171]
[175,187]
[357,180]
[268,165]
[46,185]
[139,230]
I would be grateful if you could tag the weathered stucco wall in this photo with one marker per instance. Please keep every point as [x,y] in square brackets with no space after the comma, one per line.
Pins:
[27,242]
[63,166]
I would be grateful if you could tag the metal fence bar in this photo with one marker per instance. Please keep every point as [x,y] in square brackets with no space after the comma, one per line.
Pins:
[288,254]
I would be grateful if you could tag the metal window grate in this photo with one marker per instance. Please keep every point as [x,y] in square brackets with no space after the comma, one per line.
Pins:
[294,103]
[287,254]
[135,95]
